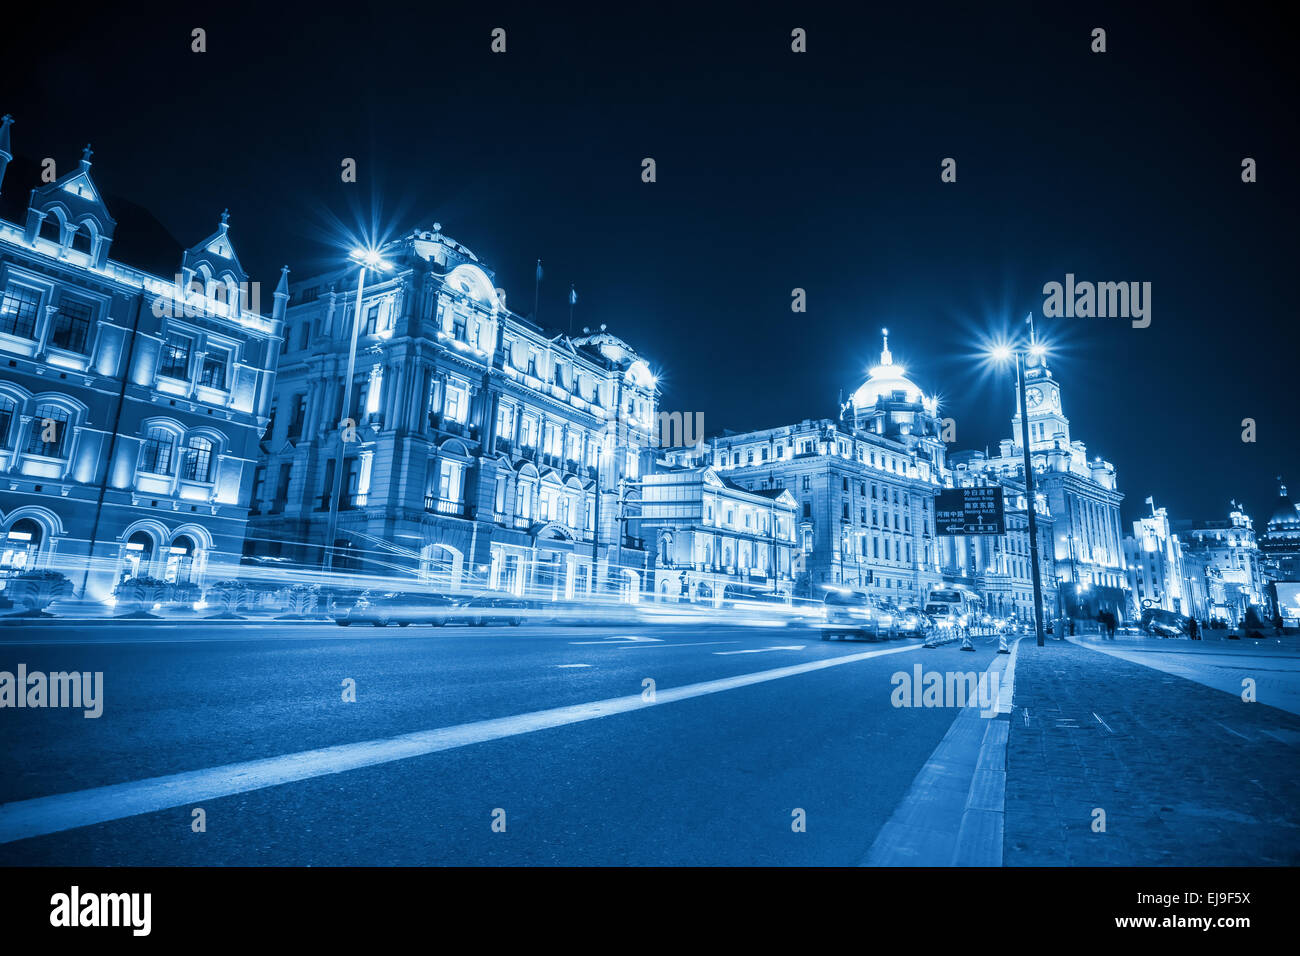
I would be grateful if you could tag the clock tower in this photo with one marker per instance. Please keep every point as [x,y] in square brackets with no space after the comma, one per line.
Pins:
[1047,422]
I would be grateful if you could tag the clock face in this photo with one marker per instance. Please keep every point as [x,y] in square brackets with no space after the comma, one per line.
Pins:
[1056,400]
[1035,396]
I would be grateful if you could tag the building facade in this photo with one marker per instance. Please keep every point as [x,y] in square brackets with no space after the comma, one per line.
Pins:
[130,404]
[713,539]
[1280,548]
[479,450]
[1157,573]
[1226,554]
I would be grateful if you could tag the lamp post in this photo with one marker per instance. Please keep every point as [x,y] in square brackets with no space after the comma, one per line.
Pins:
[1001,354]
[365,259]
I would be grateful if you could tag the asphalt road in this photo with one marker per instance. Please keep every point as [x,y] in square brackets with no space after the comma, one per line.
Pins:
[713,778]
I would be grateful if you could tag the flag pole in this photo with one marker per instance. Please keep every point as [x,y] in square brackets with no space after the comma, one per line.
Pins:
[573,297]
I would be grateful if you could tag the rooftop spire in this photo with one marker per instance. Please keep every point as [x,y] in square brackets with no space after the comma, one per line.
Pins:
[86,154]
[225,219]
[5,122]
[885,357]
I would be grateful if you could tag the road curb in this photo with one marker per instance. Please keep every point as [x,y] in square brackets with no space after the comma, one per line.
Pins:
[954,812]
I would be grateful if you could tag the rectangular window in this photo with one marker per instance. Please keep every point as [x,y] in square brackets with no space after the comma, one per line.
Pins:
[500,506]
[49,432]
[213,374]
[372,319]
[156,457]
[282,488]
[72,326]
[528,435]
[176,357]
[456,407]
[450,480]
[259,488]
[299,416]
[18,311]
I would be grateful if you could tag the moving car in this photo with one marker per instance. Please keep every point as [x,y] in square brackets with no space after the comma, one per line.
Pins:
[1162,623]
[851,613]
[496,607]
[913,622]
[398,607]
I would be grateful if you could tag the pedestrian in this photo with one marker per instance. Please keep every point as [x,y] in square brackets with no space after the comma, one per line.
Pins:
[1111,624]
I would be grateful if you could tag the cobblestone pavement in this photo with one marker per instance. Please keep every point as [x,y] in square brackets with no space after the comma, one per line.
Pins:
[1186,775]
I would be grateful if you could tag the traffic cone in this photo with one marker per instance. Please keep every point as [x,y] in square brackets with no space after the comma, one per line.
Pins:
[1002,644]
[966,644]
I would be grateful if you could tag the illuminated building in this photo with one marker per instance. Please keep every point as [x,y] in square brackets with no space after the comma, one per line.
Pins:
[1081,494]
[1280,549]
[713,539]
[864,486]
[1227,552]
[1157,574]
[130,404]
[998,567]
[486,451]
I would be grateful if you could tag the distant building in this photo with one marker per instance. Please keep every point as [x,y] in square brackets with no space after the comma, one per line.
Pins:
[1279,547]
[1230,556]
[479,449]
[864,486]
[130,404]
[712,539]
[1156,570]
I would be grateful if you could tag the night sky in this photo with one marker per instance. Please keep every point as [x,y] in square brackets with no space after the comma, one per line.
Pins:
[775,171]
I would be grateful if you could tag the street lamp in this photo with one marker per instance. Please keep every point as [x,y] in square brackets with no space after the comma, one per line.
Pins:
[365,259]
[1001,353]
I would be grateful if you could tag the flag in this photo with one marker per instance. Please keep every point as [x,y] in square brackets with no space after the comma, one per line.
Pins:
[539,270]
[1151,501]
[573,296]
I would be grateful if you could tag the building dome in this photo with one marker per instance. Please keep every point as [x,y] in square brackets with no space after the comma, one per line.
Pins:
[1286,515]
[884,380]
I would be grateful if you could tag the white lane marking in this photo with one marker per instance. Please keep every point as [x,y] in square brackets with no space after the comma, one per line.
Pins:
[1102,722]
[66,811]
[622,639]
[572,665]
[760,650]
[684,644]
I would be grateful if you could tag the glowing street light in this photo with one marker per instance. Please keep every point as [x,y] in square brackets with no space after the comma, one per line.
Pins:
[1001,353]
[366,259]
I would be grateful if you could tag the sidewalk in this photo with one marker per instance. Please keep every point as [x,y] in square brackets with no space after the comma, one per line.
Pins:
[1187,775]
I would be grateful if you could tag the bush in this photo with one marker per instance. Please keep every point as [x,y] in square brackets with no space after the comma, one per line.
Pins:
[229,597]
[37,590]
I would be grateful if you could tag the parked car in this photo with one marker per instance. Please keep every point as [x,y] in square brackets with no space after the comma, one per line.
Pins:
[398,607]
[1162,623]
[851,613]
[496,607]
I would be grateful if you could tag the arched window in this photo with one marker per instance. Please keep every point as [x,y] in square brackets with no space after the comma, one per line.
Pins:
[84,238]
[49,434]
[180,561]
[19,547]
[52,228]
[158,452]
[198,459]
[138,556]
